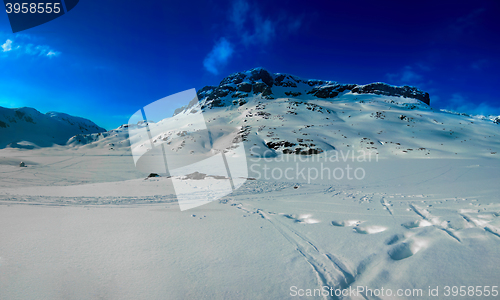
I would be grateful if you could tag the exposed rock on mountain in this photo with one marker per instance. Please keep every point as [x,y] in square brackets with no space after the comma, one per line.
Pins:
[276,114]
[270,86]
[389,90]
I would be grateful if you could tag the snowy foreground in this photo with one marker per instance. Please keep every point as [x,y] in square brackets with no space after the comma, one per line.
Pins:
[81,225]
[352,192]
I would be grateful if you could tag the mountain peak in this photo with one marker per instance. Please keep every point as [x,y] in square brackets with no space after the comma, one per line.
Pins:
[238,86]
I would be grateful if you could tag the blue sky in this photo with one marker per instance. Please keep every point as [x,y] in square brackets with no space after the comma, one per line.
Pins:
[104,60]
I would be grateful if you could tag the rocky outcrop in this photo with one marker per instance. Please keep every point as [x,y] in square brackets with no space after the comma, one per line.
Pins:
[259,82]
[380,88]
[330,91]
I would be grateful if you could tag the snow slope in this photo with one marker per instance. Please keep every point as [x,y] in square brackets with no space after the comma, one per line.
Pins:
[279,113]
[28,128]
[409,224]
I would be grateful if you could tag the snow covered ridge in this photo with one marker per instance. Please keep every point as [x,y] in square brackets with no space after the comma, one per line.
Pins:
[492,118]
[28,128]
[284,115]
[258,81]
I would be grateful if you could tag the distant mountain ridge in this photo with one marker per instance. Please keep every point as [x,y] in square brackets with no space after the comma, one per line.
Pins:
[27,127]
[258,81]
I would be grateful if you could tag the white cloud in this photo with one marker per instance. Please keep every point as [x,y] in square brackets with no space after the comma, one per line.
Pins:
[7,46]
[53,54]
[28,49]
[219,56]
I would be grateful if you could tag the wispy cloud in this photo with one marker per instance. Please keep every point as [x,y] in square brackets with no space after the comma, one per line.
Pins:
[408,75]
[467,22]
[219,56]
[479,64]
[255,28]
[460,103]
[239,13]
[17,47]
[41,50]
[248,27]
[261,30]
[264,31]
[295,24]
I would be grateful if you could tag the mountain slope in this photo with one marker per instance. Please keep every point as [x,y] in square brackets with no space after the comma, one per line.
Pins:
[283,114]
[27,128]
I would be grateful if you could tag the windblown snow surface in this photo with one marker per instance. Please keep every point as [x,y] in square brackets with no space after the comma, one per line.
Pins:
[420,216]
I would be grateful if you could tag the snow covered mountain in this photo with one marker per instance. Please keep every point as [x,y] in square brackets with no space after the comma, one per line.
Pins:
[259,81]
[403,229]
[281,113]
[27,128]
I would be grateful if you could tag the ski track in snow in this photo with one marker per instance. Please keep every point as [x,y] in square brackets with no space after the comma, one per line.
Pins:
[402,226]
[435,221]
[330,271]
[482,222]
[418,235]
[386,205]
